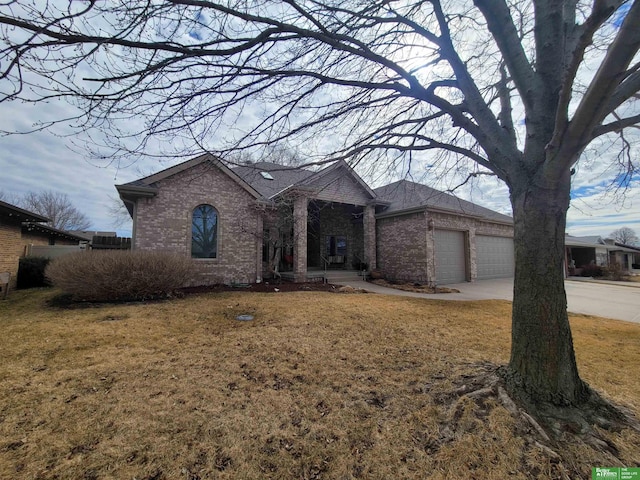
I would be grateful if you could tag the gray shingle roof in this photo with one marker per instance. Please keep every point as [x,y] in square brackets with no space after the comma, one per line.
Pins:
[590,240]
[400,196]
[406,195]
[20,214]
[283,177]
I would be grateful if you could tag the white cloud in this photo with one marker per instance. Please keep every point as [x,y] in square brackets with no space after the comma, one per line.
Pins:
[44,161]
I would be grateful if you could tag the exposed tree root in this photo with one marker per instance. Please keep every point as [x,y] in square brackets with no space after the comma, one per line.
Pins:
[551,429]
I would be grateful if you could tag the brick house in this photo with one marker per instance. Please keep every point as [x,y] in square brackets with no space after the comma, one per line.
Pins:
[580,252]
[240,224]
[19,230]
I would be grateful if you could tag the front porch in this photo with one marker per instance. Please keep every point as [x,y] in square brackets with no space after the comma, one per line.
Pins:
[317,240]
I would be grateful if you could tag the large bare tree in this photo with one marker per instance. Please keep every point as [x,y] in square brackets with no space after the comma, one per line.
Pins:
[57,207]
[624,235]
[521,88]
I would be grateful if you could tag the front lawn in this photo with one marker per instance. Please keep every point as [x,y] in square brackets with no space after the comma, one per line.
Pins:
[318,385]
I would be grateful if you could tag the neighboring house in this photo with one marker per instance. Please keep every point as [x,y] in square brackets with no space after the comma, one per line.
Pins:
[594,250]
[39,234]
[12,245]
[240,224]
[624,255]
[20,230]
[583,251]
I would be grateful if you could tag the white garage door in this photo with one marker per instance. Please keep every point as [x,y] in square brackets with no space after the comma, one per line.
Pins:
[451,263]
[494,256]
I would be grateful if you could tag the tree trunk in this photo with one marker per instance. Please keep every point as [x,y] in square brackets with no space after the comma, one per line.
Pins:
[542,358]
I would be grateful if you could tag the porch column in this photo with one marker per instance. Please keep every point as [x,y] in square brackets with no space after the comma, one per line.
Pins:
[259,243]
[431,248]
[369,226]
[473,254]
[300,238]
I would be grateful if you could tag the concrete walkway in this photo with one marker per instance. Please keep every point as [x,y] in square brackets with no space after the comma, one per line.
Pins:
[617,300]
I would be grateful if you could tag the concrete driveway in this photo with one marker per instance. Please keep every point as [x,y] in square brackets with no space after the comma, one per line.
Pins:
[618,300]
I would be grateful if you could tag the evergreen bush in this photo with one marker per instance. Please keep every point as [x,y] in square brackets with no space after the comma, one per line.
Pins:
[31,272]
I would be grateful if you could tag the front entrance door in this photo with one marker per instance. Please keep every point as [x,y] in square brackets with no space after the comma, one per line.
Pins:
[336,250]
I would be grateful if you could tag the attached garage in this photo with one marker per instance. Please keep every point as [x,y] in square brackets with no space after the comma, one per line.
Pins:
[494,257]
[451,260]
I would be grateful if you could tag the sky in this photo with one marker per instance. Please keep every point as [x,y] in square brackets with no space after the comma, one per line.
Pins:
[48,161]
[42,160]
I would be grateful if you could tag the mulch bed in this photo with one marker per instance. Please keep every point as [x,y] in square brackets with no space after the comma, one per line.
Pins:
[265,287]
[66,301]
[414,287]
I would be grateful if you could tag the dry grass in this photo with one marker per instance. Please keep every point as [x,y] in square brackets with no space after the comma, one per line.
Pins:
[319,385]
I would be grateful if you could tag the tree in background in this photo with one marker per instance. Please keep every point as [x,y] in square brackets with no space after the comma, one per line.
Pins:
[624,235]
[118,212]
[57,208]
[8,197]
[516,90]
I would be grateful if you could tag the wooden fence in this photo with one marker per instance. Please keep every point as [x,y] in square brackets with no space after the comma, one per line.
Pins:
[110,243]
[98,243]
[54,251]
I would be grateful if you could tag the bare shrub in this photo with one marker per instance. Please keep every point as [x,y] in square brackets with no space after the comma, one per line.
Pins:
[615,272]
[119,275]
[592,270]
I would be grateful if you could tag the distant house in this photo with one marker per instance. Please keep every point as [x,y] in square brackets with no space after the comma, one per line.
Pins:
[595,250]
[20,231]
[240,224]
[624,255]
[583,251]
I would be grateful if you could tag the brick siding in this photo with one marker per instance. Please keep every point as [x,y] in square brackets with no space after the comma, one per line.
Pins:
[164,223]
[405,248]
[15,242]
[402,247]
[35,238]
[12,249]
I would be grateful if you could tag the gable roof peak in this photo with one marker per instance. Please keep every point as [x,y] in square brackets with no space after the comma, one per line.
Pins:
[146,186]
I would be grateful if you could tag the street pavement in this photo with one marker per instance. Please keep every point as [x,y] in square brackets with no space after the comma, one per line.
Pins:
[617,300]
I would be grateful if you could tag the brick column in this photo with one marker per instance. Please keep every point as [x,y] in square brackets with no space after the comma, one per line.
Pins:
[431,247]
[300,238]
[369,226]
[259,242]
[473,258]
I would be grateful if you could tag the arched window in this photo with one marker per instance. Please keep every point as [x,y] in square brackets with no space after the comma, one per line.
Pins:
[204,232]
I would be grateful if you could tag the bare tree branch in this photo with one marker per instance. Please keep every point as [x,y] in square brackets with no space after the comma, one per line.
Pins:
[500,23]
[618,125]
[593,106]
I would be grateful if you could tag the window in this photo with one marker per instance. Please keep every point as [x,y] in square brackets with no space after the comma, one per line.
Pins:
[266,175]
[204,232]
[336,245]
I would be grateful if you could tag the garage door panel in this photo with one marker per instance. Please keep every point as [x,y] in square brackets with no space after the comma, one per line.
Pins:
[494,257]
[451,263]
